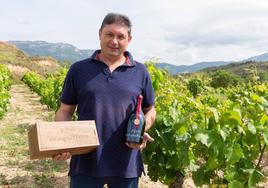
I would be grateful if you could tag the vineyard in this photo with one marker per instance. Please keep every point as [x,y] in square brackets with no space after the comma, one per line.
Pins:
[48,88]
[5,84]
[218,135]
[215,134]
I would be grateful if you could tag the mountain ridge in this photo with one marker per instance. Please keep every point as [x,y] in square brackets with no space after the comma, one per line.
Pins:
[60,51]
[68,52]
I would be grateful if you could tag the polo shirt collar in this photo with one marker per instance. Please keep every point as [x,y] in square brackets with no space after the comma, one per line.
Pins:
[129,59]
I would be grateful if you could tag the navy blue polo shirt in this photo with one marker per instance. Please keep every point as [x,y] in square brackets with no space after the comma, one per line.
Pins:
[109,99]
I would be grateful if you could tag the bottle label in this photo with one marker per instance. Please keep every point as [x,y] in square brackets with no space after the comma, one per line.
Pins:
[137,122]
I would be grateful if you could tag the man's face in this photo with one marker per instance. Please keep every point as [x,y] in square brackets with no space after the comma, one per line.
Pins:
[114,39]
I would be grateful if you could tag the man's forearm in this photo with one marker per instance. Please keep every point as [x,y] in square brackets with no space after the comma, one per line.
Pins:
[63,116]
[150,115]
[65,112]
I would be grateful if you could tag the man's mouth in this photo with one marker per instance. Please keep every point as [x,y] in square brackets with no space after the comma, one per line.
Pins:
[113,48]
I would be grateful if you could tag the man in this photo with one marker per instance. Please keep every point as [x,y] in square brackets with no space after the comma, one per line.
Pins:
[104,88]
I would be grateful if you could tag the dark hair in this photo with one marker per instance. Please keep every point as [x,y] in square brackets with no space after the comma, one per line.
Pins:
[112,18]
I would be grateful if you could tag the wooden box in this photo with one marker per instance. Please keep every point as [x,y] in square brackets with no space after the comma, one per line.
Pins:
[50,138]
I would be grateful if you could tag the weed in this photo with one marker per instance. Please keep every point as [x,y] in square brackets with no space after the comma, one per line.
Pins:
[44,180]
[46,165]
[22,128]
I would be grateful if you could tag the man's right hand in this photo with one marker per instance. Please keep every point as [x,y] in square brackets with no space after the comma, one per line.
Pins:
[62,156]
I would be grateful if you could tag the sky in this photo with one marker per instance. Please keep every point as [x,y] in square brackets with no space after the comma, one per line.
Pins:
[179,32]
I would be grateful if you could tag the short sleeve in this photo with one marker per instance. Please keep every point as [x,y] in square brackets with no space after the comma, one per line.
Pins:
[69,94]
[148,91]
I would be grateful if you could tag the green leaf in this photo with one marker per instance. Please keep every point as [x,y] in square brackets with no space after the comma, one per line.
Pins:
[234,154]
[264,119]
[248,100]
[200,177]
[192,166]
[182,126]
[236,115]
[203,138]
[223,134]
[214,113]
[241,130]
[235,184]
[265,137]
[230,173]
[251,128]
[261,107]
[250,139]
[254,178]
[211,164]
[255,97]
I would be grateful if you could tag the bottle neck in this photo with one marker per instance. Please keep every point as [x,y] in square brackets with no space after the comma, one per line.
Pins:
[138,109]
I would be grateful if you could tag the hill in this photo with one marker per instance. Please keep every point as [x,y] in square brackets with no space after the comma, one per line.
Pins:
[59,51]
[259,58]
[19,62]
[244,69]
[176,69]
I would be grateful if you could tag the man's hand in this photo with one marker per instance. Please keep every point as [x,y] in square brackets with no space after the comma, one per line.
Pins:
[62,156]
[146,138]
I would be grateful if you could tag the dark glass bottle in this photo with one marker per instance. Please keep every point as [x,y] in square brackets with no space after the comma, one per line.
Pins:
[136,124]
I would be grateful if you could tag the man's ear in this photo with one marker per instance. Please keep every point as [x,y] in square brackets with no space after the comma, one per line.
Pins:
[129,38]
[99,34]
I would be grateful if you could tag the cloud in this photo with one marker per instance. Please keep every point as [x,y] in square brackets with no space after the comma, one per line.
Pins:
[219,32]
[178,32]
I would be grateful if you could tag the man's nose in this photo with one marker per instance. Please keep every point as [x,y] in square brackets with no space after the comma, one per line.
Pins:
[114,40]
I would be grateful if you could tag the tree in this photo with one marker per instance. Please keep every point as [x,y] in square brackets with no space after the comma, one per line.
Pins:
[222,78]
[195,86]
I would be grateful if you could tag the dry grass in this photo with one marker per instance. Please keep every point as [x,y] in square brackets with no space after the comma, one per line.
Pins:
[16,169]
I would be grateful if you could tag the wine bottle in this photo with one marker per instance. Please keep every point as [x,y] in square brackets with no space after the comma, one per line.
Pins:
[136,124]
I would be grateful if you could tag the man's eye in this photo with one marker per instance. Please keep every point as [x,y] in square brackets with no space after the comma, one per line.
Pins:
[109,35]
[122,37]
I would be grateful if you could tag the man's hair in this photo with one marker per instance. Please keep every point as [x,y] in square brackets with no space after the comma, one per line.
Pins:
[114,18]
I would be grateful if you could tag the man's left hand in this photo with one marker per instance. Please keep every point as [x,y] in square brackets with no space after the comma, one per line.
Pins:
[146,138]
